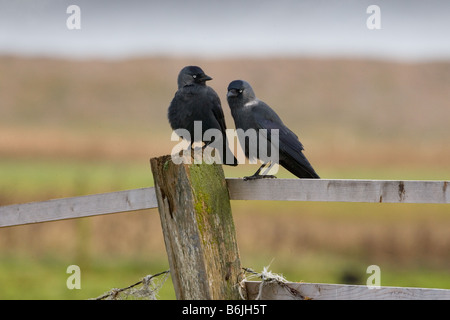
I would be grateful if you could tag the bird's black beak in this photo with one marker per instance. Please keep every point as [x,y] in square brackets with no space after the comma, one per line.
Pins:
[232,93]
[205,78]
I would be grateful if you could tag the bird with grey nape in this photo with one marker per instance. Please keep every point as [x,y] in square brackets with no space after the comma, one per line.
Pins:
[195,101]
[251,113]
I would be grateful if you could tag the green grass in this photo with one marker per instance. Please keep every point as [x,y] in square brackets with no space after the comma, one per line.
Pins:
[25,277]
[32,180]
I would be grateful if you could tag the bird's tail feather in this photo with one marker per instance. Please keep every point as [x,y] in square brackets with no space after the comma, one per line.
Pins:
[299,166]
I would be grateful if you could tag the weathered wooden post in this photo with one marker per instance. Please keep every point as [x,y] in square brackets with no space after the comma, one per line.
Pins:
[198,228]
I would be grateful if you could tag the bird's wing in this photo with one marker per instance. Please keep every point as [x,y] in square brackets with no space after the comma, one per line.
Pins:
[179,106]
[266,118]
[217,110]
[290,148]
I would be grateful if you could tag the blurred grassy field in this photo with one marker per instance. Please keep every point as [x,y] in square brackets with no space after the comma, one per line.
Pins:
[69,128]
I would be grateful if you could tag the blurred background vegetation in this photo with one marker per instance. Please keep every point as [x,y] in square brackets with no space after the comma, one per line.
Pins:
[76,127]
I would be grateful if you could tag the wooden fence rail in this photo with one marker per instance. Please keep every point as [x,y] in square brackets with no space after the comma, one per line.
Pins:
[78,207]
[326,291]
[391,191]
[198,228]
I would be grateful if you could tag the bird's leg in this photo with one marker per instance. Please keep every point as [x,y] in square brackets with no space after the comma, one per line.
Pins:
[260,176]
[189,150]
[189,147]
[205,145]
[184,151]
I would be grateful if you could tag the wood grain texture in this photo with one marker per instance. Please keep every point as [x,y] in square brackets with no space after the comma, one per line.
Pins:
[198,229]
[375,191]
[391,191]
[78,207]
[322,291]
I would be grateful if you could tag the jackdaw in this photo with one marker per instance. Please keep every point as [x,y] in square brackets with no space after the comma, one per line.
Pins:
[251,113]
[195,101]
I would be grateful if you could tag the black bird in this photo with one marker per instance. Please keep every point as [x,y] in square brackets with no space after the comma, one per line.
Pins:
[195,101]
[251,113]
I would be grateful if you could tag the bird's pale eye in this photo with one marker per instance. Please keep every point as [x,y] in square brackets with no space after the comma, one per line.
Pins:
[194,76]
[240,91]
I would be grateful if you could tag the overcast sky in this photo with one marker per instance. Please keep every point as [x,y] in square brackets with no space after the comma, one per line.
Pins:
[410,29]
